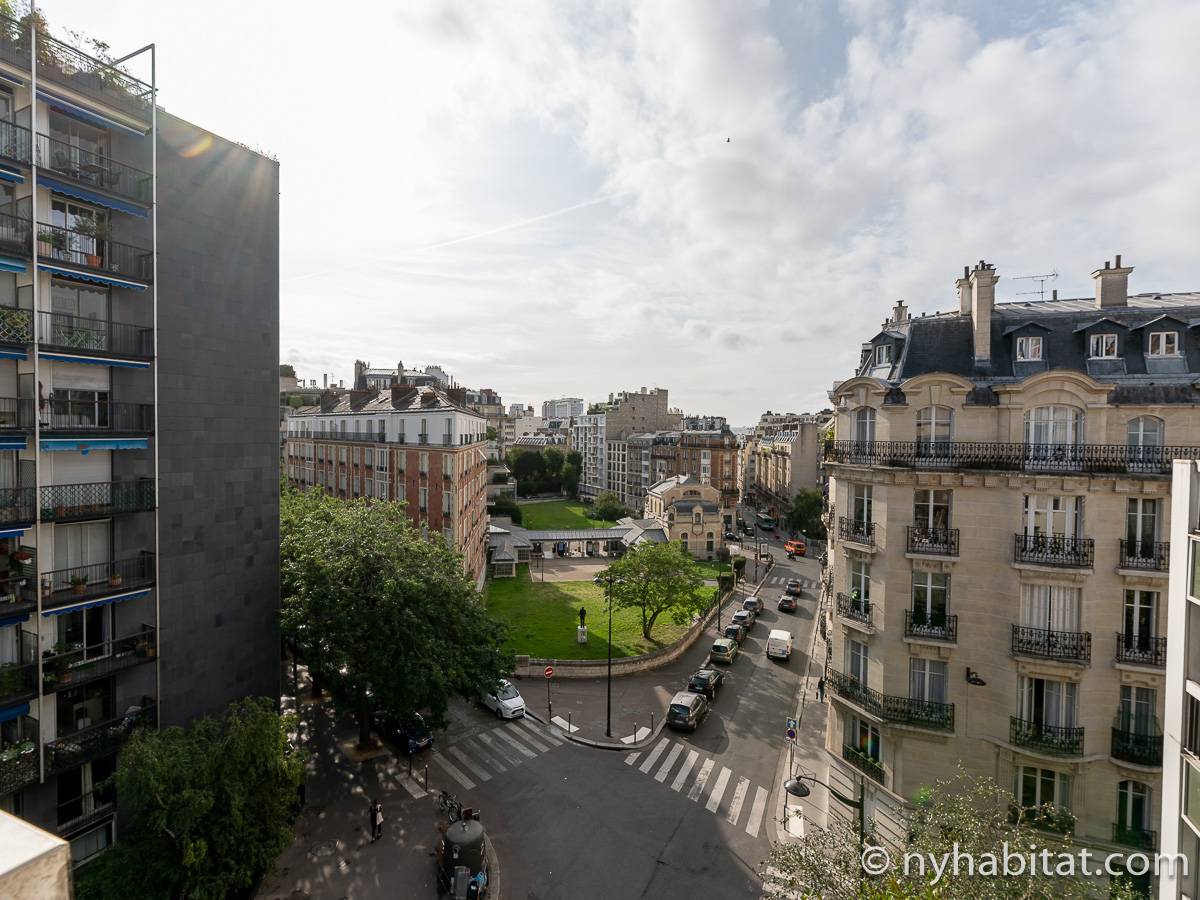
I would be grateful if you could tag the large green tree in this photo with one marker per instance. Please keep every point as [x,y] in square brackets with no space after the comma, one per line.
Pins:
[389,616]
[554,459]
[803,514]
[208,808]
[659,579]
[609,506]
[570,479]
[503,505]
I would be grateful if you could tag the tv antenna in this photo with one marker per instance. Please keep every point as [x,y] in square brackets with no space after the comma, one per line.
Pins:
[1040,279]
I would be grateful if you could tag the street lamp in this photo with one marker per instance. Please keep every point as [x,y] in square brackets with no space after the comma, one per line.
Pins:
[797,788]
[609,580]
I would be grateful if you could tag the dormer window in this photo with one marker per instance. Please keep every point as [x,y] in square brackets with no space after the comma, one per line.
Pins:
[1029,349]
[1103,346]
[883,355]
[1164,343]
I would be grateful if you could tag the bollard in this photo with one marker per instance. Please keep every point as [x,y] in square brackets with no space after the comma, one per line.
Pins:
[635,731]
[410,765]
[569,728]
[427,778]
[652,723]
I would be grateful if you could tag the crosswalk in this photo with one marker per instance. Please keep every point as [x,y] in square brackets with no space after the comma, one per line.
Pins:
[721,790]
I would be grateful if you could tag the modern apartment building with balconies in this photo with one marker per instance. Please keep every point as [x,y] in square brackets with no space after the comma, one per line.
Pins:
[998,510]
[138,490]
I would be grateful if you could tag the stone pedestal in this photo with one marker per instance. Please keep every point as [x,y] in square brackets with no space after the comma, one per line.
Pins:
[581,635]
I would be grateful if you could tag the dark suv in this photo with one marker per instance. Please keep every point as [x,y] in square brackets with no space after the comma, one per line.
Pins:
[687,710]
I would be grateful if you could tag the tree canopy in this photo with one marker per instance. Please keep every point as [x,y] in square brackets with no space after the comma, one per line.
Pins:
[659,579]
[803,514]
[608,506]
[504,505]
[286,370]
[554,459]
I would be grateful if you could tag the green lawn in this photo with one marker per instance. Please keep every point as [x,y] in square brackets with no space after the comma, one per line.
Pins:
[542,618]
[710,568]
[559,514]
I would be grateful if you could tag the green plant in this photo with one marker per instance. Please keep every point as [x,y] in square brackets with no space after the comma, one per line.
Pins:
[16,750]
[78,581]
[55,238]
[93,228]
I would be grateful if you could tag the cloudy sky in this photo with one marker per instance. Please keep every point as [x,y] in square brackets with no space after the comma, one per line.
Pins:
[721,198]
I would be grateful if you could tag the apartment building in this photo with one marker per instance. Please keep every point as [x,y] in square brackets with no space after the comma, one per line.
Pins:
[999,512]
[606,462]
[787,459]
[138,481]
[563,408]
[589,438]
[419,445]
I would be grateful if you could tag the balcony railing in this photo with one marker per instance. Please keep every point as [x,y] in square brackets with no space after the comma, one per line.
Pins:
[63,586]
[16,505]
[854,608]
[866,764]
[97,740]
[64,502]
[16,414]
[18,681]
[18,766]
[75,333]
[74,69]
[16,325]
[1056,739]
[15,143]
[92,251]
[1072,646]
[933,541]
[892,708]
[1142,650]
[1151,556]
[1009,457]
[98,415]
[15,230]
[1137,747]
[930,626]
[1132,836]
[80,665]
[1054,550]
[93,169]
[855,530]
[80,813]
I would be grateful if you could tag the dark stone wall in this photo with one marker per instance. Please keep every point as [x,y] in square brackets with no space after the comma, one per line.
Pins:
[218,415]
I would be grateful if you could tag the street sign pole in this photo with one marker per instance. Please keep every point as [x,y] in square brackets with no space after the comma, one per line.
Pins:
[549,673]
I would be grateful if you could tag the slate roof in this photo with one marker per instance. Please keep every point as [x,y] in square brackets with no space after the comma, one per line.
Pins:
[689,504]
[425,398]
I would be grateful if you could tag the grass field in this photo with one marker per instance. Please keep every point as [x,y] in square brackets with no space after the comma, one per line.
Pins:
[559,514]
[711,568]
[542,618]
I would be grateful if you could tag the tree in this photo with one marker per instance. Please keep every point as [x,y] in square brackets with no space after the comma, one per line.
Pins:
[490,432]
[570,479]
[503,505]
[528,466]
[387,616]
[608,506]
[554,459]
[575,458]
[208,808]
[286,371]
[803,514]
[964,816]
[658,579]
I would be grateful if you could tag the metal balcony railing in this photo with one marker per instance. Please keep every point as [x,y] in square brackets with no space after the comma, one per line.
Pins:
[1057,739]
[16,325]
[63,586]
[855,530]
[16,505]
[18,766]
[93,169]
[63,64]
[854,608]
[890,707]
[1137,747]
[64,502]
[1073,646]
[1142,650]
[94,251]
[83,664]
[933,541]
[1151,556]
[18,681]
[15,142]
[79,813]
[1054,550]
[1132,836]
[16,231]
[16,414]
[868,765]
[98,415]
[930,626]
[75,333]
[97,740]
[1008,457]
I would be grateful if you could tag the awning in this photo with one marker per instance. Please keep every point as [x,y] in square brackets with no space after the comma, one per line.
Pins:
[8,264]
[14,620]
[12,354]
[12,532]
[84,445]
[110,280]
[96,360]
[11,79]
[9,175]
[14,712]
[63,187]
[75,111]
[104,601]
[13,442]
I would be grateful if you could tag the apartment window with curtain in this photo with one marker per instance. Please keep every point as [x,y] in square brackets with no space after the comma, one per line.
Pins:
[1102,346]
[1029,349]
[860,503]
[934,425]
[931,510]
[1050,514]
[1036,786]
[1051,607]
[863,420]
[860,578]
[863,736]
[927,680]
[1059,425]
[856,660]
[930,598]
[1048,702]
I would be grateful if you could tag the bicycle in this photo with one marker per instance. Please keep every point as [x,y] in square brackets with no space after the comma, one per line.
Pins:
[450,805]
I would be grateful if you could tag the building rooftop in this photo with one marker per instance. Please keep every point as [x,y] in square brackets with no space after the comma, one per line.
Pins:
[425,398]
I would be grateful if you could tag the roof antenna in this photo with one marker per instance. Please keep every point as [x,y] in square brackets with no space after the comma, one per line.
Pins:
[1041,280]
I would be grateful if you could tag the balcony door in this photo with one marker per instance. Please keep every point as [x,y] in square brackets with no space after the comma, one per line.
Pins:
[930,598]
[1141,526]
[80,316]
[1052,514]
[1037,786]
[860,580]
[864,425]
[1048,703]
[88,631]
[927,680]
[82,707]
[87,229]
[1139,623]
[1144,437]
[860,503]
[1052,437]
[1050,607]
[863,736]
[1133,806]
[1136,712]
[931,510]
[76,147]
[856,661]
[84,549]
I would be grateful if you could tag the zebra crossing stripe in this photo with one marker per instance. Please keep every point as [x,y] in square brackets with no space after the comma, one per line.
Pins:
[684,770]
[473,767]
[486,752]
[718,791]
[701,780]
[632,758]
[501,751]
[756,812]
[542,733]
[503,734]
[528,738]
[654,755]
[735,806]
[452,770]
[411,786]
[669,764]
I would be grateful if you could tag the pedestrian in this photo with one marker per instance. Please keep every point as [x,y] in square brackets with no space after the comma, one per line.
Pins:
[375,818]
[821,689]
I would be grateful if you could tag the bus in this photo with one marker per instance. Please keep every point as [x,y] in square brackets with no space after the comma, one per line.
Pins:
[766,522]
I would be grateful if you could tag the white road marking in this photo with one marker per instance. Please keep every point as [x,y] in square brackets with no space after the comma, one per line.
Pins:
[718,791]
[524,735]
[739,794]
[502,751]
[471,766]
[632,758]
[411,786]
[541,732]
[569,727]
[503,734]
[756,812]
[701,780]
[670,762]
[486,752]
[634,738]
[650,760]
[692,756]
[452,770]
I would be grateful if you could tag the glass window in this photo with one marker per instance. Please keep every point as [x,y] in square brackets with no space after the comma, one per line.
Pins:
[1051,607]
[1044,701]
[930,597]
[1136,710]
[423,499]
[1036,786]
[1054,425]
[1103,346]
[1029,349]
[860,578]
[927,680]
[1144,431]
[1191,800]
[1164,343]
[931,509]
[883,355]
[860,502]
[933,424]
[1053,514]
[856,660]
[864,424]
[864,737]
[79,300]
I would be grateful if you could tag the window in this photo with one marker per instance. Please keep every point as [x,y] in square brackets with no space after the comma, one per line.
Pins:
[1103,346]
[860,578]
[342,452]
[1164,343]
[933,424]
[1029,349]
[1133,805]
[930,597]
[1047,702]
[1141,526]
[856,661]
[1139,621]
[864,424]
[445,503]
[711,543]
[863,736]
[1051,607]
[78,300]
[1144,431]
[860,503]
[1054,425]
[89,630]
[79,545]
[1136,712]
[931,509]
[683,539]
[1037,786]
[1053,514]
[423,466]
[883,355]
[423,499]
[927,680]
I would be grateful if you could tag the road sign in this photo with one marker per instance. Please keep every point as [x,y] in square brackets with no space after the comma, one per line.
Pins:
[791,729]
[549,671]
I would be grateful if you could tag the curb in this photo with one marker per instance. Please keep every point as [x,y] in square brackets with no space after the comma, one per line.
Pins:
[600,745]
[495,891]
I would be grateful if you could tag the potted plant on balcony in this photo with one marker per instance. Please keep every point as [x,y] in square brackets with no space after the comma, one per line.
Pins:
[16,750]
[114,577]
[78,585]
[96,229]
[144,648]
[55,242]
[10,679]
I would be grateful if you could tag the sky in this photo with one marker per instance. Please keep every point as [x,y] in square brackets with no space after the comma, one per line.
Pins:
[578,197]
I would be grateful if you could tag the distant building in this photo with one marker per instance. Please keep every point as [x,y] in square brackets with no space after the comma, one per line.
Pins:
[563,408]
[604,451]
[540,440]
[689,512]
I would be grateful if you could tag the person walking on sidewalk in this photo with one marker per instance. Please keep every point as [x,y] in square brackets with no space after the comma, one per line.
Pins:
[821,689]
[375,817]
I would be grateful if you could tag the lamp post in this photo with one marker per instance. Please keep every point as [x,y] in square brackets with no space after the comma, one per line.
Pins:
[797,788]
[608,583]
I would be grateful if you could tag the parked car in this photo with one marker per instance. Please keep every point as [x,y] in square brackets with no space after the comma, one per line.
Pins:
[730,536]
[747,528]
[735,632]
[409,735]
[795,547]
[687,710]
[505,701]
[706,681]
[793,587]
[787,603]
[723,650]
[753,605]
[779,644]
[745,618]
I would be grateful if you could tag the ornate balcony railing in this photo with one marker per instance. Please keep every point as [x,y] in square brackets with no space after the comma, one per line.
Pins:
[16,325]
[868,765]
[933,541]
[1137,747]
[892,708]
[1142,650]
[76,333]
[18,766]
[93,169]
[63,586]
[98,415]
[15,230]
[83,664]
[856,692]
[93,251]
[1151,556]
[1054,550]
[1009,457]
[1132,836]
[854,608]
[16,505]
[936,626]
[1073,646]
[1056,739]
[97,740]
[64,502]
[855,530]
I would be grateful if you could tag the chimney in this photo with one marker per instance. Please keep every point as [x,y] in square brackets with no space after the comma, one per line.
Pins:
[360,375]
[328,400]
[359,395]
[457,395]
[964,292]
[401,394]
[1112,284]
[1054,294]
[983,298]
[324,381]
[899,312]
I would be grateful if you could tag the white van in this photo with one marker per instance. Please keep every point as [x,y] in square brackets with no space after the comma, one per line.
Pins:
[779,644]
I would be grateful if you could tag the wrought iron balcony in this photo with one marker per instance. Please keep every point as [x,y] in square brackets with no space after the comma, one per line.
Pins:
[94,251]
[933,541]
[1151,556]
[1054,550]
[77,334]
[1071,646]
[16,505]
[365,437]
[64,586]
[867,765]
[18,766]
[15,144]
[16,325]
[1142,650]
[18,681]
[1008,457]
[857,531]
[97,740]
[16,231]
[1137,747]
[856,692]
[936,626]
[83,664]
[67,502]
[1056,739]
[1132,836]
[854,608]
[891,708]
[93,169]
[91,415]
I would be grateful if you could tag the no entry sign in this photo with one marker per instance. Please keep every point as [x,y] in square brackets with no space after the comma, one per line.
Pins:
[549,671]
